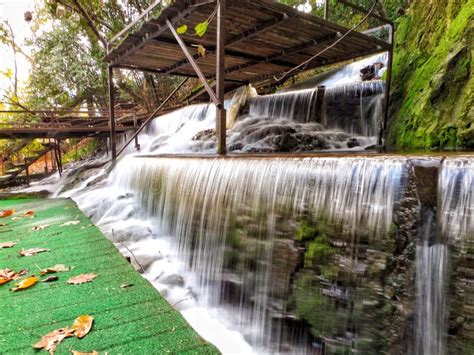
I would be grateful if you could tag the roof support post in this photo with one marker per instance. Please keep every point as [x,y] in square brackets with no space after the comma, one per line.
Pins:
[326,9]
[193,63]
[221,121]
[388,83]
[113,134]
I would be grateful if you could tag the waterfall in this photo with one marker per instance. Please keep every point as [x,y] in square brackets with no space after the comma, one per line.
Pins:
[431,278]
[200,202]
[457,200]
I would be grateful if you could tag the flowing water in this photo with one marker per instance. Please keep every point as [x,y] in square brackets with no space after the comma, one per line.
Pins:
[300,254]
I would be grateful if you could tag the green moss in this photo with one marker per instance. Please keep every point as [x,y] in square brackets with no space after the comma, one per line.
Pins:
[433,85]
[319,250]
[307,231]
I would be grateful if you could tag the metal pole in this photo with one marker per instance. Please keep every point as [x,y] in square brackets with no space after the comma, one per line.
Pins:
[152,116]
[220,79]
[326,9]
[113,147]
[388,83]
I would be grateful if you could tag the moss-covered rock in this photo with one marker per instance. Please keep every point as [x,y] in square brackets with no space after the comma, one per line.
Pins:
[432,99]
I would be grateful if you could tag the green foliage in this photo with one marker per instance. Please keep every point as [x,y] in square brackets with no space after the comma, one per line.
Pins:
[80,150]
[181,30]
[201,28]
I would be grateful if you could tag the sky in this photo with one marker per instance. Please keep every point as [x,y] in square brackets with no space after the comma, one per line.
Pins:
[13,11]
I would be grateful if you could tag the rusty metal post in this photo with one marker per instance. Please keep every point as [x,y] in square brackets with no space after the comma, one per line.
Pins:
[113,134]
[388,82]
[220,79]
[27,173]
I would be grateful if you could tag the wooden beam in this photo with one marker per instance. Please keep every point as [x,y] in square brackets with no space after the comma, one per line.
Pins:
[249,33]
[193,63]
[221,122]
[149,36]
[112,112]
[286,52]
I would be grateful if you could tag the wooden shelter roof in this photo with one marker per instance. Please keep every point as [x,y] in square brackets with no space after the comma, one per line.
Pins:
[263,39]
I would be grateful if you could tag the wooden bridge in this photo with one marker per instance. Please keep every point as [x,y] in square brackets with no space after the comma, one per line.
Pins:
[261,42]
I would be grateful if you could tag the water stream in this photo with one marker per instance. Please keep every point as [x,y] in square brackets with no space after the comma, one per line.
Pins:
[302,254]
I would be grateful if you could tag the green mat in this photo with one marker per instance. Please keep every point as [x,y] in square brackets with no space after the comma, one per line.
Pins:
[136,319]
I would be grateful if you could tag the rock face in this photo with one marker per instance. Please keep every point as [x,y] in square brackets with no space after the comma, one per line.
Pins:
[433,87]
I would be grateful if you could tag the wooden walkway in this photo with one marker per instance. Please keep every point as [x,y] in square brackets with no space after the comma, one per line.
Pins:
[135,319]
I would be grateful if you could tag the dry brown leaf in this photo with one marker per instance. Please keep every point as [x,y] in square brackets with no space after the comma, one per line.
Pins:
[26,283]
[50,341]
[29,213]
[80,279]
[55,268]
[7,245]
[3,224]
[70,223]
[33,251]
[126,285]
[19,274]
[50,279]
[74,352]
[7,275]
[6,213]
[40,227]
[82,325]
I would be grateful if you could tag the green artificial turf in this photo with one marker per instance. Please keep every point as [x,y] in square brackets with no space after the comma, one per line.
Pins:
[136,319]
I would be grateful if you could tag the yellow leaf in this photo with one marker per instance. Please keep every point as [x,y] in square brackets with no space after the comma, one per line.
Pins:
[201,28]
[182,29]
[202,51]
[26,283]
[82,325]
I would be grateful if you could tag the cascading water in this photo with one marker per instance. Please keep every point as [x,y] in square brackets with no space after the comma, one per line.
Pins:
[294,254]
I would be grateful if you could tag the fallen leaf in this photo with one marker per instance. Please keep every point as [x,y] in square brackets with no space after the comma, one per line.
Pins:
[15,218]
[126,285]
[50,341]
[31,252]
[80,279]
[29,213]
[40,227]
[7,245]
[6,213]
[70,223]
[55,268]
[20,274]
[82,325]
[50,279]
[3,224]
[74,352]
[6,275]
[26,283]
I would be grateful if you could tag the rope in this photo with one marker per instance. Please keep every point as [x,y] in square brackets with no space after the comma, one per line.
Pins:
[285,74]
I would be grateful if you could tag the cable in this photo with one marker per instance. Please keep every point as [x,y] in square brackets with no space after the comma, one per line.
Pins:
[329,47]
